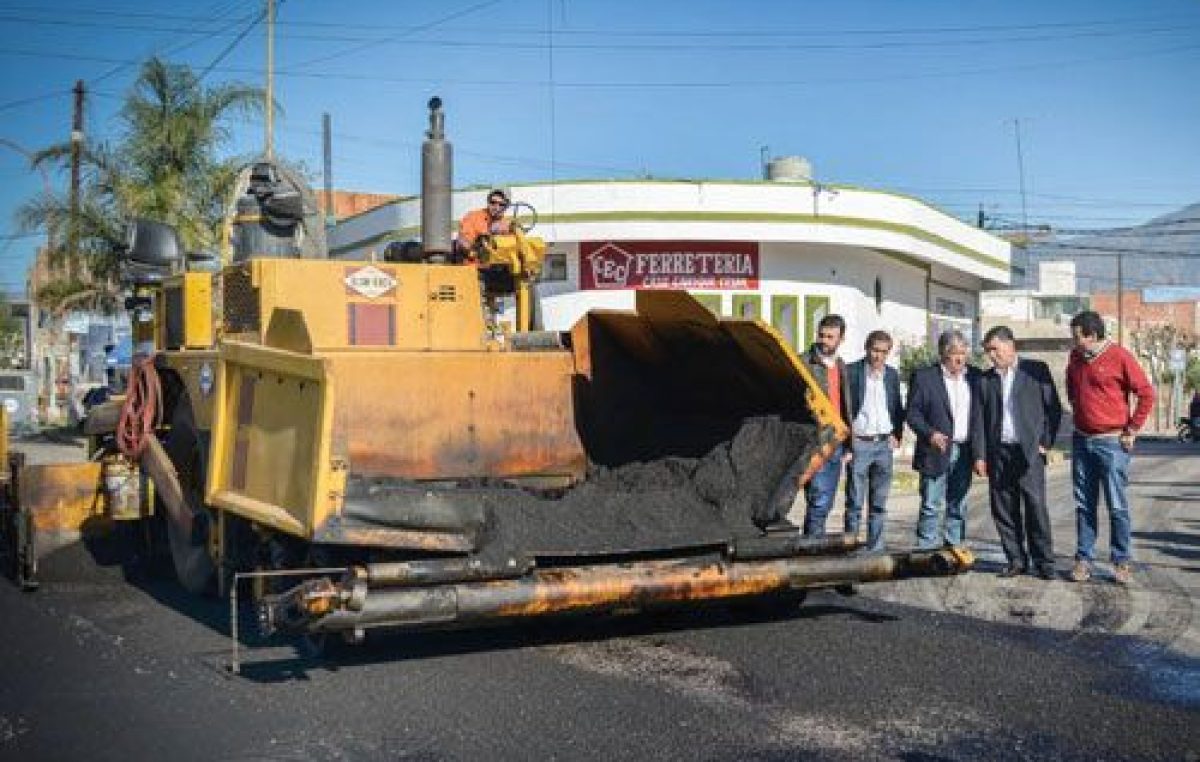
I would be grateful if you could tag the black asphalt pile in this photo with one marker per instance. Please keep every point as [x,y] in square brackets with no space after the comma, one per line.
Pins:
[658,505]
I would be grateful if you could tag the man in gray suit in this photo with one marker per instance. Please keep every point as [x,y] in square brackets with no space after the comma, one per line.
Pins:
[1021,415]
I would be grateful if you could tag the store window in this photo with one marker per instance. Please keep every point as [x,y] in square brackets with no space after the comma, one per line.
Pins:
[747,306]
[815,309]
[785,318]
[710,302]
[554,267]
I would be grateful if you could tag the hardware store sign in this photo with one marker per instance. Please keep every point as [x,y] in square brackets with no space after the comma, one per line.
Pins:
[668,264]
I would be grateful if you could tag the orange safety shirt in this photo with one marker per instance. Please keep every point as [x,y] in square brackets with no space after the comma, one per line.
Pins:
[478,222]
[835,387]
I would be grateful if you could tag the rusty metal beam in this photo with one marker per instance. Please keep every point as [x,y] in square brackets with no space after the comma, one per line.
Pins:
[604,588]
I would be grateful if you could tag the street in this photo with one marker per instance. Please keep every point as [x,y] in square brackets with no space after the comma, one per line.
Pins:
[103,664]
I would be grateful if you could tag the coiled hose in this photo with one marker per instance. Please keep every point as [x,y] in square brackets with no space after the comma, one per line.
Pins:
[142,412]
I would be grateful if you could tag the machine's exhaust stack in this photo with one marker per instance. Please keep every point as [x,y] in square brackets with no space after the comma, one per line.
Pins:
[436,171]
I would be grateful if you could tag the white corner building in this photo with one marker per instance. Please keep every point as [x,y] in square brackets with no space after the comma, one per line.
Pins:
[786,253]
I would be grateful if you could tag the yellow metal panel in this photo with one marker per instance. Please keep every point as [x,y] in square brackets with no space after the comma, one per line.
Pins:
[190,364]
[430,415]
[259,511]
[276,360]
[198,309]
[65,503]
[194,327]
[271,438]
[431,306]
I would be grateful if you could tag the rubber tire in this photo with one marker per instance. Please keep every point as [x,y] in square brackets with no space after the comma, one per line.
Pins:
[194,567]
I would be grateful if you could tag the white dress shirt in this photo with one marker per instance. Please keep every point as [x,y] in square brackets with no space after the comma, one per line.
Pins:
[1008,424]
[873,419]
[960,403]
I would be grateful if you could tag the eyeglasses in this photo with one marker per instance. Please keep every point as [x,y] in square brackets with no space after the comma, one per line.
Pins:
[501,204]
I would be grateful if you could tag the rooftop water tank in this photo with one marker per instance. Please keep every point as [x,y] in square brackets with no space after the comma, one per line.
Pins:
[789,169]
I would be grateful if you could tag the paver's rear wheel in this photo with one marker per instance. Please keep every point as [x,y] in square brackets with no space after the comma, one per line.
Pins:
[189,546]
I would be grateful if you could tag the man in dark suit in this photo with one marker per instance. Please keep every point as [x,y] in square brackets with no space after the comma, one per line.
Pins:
[1021,414]
[943,411]
[877,423]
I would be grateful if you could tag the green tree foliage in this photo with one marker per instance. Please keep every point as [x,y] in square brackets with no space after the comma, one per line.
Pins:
[1191,378]
[910,358]
[163,166]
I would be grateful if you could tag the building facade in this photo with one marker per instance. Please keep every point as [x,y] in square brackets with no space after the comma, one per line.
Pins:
[786,253]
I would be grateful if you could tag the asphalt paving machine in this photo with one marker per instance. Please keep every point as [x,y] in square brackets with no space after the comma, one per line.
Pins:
[389,443]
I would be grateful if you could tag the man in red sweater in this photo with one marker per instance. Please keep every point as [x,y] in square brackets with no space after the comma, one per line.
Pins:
[1100,377]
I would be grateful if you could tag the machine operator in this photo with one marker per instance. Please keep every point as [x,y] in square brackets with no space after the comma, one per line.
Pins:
[487,221]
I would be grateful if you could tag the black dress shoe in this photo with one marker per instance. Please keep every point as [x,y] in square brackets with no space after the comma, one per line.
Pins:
[1012,570]
[776,526]
[1047,573]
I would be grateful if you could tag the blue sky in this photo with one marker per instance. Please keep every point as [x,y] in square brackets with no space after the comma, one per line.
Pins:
[916,96]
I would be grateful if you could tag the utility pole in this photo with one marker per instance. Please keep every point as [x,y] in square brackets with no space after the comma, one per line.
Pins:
[1121,298]
[327,139]
[76,161]
[270,137]
[764,160]
[1024,212]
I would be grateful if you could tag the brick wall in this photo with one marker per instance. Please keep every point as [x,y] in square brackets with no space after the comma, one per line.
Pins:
[349,203]
[1139,314]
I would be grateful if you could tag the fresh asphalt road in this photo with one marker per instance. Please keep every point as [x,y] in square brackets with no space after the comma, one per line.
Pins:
[99,665]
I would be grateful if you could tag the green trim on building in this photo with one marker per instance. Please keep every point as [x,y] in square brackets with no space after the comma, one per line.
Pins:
[747,306]
[710,302]
[815,309]
[785,318]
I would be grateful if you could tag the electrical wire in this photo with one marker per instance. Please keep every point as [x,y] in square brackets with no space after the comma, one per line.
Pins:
[141,413]
[698,43]
[233,44]
[891,31]
[419,28]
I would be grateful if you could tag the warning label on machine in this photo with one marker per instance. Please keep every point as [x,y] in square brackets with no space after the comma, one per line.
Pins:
[370,281]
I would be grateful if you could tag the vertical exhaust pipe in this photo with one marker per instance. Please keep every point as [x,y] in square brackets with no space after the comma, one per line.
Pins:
[436,171]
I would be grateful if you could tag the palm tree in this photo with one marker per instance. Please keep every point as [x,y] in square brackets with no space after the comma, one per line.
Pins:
[164,166]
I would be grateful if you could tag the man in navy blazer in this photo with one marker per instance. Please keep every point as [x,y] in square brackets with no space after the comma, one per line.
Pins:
[1021,415]
[944,412]
[877,424]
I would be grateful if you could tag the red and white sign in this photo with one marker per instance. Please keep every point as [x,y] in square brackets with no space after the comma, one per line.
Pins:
[668,264]
[370,281]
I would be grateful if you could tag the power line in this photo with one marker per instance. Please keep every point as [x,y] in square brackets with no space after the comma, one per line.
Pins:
[699,42]
[34,99]
[219,11]
[229,48]
[1084,250]
[419,28]
[608,33]
[303,73]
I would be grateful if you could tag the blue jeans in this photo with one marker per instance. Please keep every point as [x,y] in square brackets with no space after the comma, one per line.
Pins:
[948,491]
[1100,462]
[870,476]
[819,492]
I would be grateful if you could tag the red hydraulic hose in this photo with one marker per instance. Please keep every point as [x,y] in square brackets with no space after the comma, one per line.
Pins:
[142,412]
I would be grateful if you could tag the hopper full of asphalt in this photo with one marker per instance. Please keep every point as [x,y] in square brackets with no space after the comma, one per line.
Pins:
[664,504]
